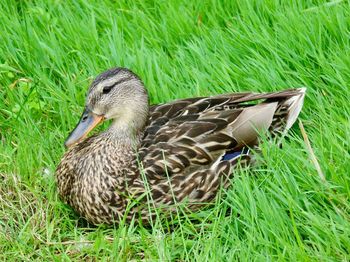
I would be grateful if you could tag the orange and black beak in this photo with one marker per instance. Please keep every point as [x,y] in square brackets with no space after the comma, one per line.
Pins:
[87,122]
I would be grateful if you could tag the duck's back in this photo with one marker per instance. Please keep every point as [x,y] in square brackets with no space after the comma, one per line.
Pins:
[194,143]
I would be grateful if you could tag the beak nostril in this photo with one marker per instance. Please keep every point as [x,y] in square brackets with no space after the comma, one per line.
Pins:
[84,118]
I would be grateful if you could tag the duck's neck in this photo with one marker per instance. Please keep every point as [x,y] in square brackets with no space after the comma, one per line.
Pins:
[126,132]
[128,124]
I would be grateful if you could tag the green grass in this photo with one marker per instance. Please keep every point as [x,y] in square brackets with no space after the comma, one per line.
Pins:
[49,52]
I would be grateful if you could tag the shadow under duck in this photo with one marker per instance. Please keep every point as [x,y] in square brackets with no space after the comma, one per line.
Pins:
[157,156]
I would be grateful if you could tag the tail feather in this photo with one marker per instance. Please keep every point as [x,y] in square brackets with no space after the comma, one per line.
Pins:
[274,114]
[295,105]
[287,112]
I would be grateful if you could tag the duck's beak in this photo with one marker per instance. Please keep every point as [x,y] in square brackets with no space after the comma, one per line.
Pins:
[87,122]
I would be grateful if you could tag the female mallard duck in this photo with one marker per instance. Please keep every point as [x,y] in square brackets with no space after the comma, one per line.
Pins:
[179,152]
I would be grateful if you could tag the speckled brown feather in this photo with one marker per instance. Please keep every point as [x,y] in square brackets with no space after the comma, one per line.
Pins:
[176,158]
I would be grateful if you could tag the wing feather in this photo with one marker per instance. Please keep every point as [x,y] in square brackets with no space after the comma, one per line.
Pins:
[194,132]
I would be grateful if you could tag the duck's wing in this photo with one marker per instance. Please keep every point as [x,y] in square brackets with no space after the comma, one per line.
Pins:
[194,134]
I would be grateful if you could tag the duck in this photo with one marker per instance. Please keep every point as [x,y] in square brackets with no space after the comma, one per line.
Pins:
[153,158]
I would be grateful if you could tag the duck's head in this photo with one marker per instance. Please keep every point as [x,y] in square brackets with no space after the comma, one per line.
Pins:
[116,94]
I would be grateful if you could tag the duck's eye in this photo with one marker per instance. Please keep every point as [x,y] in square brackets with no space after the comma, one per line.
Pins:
[107,89]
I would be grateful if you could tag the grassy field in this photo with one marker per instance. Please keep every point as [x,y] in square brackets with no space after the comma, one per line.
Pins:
[283,210]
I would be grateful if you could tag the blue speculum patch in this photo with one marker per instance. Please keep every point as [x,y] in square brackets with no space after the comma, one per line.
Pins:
[233,154]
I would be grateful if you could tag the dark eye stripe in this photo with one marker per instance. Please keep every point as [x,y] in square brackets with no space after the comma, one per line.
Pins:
[107,89]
